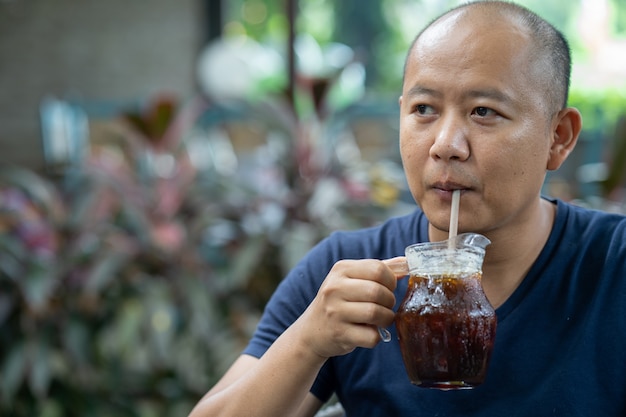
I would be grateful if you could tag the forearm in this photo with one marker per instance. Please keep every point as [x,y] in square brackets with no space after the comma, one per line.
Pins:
[355,298]
[275,385]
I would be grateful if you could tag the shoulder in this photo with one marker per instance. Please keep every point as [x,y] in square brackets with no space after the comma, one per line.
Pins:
[597,233]
[592,222]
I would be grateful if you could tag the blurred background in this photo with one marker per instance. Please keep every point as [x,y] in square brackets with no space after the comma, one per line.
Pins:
[164,163]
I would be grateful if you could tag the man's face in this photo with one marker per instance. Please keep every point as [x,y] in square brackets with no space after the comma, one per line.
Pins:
[472,118]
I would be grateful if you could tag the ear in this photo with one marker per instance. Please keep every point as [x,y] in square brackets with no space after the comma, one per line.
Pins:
[400,101]
[566,128]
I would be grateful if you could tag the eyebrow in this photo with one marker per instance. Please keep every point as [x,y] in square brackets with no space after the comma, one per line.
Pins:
[421,90]
[490,93]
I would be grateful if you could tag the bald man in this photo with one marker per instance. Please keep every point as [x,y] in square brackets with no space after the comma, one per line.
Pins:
[484,111]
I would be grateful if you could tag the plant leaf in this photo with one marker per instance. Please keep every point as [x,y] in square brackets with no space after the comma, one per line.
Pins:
[162,116]
[38,284]
[39,375]
[13,371]
[104,272]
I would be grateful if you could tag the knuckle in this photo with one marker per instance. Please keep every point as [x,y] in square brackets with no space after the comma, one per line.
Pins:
[373,291]
[379,268]
[326,291]
[389,318]
[371,313]
[342,264]
[372,338]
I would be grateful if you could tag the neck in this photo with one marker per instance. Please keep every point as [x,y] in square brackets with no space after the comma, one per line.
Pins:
[513,252]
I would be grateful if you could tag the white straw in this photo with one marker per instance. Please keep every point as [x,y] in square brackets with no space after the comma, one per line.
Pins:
[454,213]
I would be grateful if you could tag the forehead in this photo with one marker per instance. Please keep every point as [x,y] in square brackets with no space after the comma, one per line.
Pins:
[477,21]
[471,47]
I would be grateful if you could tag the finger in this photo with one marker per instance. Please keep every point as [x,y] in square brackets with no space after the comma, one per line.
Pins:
[367,269]
[370,336]
[371,314]
[358,335]
[358,290]
[398,266]
[353,329]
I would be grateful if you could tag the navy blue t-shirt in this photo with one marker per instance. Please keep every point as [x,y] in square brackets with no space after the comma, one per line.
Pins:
[560,348]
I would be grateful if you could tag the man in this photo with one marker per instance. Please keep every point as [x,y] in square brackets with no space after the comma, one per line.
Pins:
[483,110]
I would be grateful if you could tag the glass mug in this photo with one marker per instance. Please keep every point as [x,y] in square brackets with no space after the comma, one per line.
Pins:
[446,326]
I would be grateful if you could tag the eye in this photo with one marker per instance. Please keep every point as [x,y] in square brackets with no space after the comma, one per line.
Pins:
[424,109]
[484,112]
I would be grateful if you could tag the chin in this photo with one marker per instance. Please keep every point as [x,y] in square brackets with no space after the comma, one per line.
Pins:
[438,221]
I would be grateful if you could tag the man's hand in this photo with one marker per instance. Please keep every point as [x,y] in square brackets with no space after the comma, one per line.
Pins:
[355,298]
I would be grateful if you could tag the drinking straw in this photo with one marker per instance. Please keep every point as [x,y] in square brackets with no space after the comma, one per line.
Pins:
[454,214]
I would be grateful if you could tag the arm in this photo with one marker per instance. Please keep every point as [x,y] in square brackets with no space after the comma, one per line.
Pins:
[216,401]
[355,297]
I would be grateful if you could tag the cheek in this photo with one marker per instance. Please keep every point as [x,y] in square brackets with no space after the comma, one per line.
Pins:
[519,167]
[412,142]
[406,151]
[531,155]
[408,158]
[412,162]
[412,157]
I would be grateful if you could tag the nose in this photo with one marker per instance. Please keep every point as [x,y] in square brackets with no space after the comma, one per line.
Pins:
[450,141]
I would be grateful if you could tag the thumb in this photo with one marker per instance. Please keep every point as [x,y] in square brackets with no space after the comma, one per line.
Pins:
[398,266]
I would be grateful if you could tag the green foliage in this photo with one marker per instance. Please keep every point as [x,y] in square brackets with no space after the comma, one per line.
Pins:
[127,289]
[618,17]
[601,109]
[97,317]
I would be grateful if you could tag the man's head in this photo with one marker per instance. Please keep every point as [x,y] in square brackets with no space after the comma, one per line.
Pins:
[551,51]
[483,110]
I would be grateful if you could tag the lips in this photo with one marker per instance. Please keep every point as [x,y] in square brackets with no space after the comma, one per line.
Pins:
[444,190]
[449,186]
